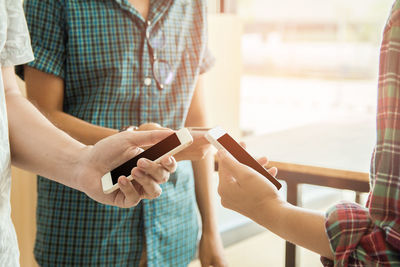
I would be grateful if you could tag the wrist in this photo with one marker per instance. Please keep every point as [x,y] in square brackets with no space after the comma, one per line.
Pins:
[210,231]
[79,166]
[271,213]
[210,227]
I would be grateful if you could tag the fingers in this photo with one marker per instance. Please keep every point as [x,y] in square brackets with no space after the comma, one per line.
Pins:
[130,196]
[204,263]
[159,172]
[236,168]
[145,138]
[225,160]
[263,161]
[150,187]
[273,171]
[243,144]
[169,163]
[133,152]
[151,126]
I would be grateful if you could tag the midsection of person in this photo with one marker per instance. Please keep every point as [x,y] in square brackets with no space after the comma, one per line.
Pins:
[99,50]
[107,74]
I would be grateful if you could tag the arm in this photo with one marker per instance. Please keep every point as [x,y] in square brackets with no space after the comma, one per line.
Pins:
[211,250]
[46,91]
[202,168]
[347,235]
[28,133]
[247,192]
[38,146]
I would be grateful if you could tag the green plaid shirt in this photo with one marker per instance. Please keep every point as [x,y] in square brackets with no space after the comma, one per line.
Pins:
[98,48]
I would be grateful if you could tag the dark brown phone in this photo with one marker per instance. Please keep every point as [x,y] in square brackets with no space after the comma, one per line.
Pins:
[241,155]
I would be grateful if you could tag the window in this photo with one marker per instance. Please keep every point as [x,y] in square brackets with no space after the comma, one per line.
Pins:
[311,60]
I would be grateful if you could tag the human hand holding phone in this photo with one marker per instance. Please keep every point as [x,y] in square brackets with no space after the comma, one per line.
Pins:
[222,140]
[198,149]
[172,144]
[243,189]
[110,153]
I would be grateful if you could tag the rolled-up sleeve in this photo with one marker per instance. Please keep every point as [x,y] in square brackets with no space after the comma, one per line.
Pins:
[17,48]
[355,240]
[46,24]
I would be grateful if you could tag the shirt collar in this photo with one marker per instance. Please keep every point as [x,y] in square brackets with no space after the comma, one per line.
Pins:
[157,9]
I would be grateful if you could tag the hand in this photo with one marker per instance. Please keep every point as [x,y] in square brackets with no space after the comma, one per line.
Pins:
[197,150]
[243,189]
[109,153]
[211,251]
[151,126]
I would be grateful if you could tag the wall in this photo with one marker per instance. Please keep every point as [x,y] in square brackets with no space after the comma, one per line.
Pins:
[222,83]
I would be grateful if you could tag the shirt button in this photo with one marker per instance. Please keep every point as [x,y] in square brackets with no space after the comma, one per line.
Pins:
[147,81]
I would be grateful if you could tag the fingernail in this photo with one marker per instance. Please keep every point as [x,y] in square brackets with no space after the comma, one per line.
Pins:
[123,181]
[144,163]
[169,161]
[138,174]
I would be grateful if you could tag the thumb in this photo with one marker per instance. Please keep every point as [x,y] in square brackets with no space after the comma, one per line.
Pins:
[230,165]
[146,138]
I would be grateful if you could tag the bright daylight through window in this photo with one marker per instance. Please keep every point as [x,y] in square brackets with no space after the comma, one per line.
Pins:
[308,61]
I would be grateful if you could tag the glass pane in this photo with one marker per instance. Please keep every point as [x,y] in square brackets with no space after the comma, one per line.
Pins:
[307,61]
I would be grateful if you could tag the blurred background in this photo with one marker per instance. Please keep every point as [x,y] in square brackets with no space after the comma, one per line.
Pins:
[290,76]
[292,67]
[307,60]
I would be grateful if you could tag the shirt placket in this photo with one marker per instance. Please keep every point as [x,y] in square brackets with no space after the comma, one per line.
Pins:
[145,84]
[150,97]
[148,100]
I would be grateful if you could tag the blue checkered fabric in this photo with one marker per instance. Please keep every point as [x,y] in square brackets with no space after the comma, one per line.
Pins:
[98,47]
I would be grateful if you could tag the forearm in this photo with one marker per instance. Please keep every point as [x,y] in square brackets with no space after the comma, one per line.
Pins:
[202,169]
[204,192]
[46,91]
[36,144]
[300,226]
[80,130]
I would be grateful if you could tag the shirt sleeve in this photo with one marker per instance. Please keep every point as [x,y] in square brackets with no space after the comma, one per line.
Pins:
[17,48]
[346,226]
[46,24]
[355,239]
[371,237]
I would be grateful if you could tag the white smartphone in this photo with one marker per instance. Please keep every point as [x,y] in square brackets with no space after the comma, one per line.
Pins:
[169,146]
[221,139]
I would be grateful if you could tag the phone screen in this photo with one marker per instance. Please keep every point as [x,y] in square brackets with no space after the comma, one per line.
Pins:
[153,153]
[239,153]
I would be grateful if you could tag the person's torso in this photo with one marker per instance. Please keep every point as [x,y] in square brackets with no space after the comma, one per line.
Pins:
[106,65]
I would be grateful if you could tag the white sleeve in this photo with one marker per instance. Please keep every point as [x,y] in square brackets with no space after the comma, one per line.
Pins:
[17,48]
